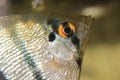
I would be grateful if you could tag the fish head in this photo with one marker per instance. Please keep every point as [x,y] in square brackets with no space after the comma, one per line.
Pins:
[68,37]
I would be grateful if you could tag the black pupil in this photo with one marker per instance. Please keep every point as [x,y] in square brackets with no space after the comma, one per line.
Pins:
[67,30]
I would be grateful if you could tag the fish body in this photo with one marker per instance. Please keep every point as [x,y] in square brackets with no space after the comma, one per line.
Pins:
[42,47]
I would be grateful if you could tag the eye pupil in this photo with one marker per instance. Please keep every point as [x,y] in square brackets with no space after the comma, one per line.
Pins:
[67,30]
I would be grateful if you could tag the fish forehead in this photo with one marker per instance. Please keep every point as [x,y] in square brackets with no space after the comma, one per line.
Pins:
[13,19]
[43,18]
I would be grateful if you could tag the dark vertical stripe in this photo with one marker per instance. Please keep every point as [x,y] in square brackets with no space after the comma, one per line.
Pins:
[2,76]
[28,58]
[76,41]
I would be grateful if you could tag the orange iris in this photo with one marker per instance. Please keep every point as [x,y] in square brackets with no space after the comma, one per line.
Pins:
[61,31]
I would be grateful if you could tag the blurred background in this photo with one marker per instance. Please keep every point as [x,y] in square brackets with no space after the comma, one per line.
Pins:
[102,55]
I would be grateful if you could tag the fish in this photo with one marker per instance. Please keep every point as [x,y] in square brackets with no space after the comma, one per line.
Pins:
[43,47]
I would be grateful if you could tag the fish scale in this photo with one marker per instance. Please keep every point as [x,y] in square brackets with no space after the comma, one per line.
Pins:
[26,53]
[17,40]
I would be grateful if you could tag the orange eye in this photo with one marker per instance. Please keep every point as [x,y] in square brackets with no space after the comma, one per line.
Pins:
[66,29]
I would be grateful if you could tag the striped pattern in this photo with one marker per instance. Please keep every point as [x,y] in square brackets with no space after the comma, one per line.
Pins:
[19,50]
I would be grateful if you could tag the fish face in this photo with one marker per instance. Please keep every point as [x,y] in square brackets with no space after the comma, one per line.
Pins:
[62,45]
[67,39]
[43,47]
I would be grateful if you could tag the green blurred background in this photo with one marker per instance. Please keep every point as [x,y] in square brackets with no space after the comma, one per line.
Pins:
[102,55]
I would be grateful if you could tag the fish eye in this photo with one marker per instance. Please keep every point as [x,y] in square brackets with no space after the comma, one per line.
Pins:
[66,29]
